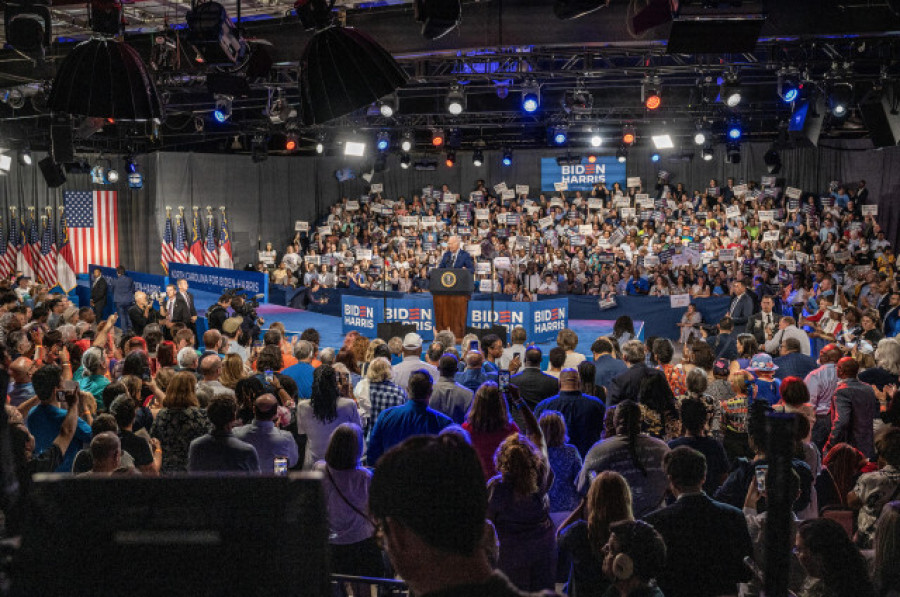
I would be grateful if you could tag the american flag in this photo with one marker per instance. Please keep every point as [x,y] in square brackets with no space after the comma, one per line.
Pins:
[226,258]
[24,262]
[65,259]
[12,244]
[34,243]
[196,251]
[210,252]
[180,255]
[5,266]
[47,262]
[92,218]
[167,251]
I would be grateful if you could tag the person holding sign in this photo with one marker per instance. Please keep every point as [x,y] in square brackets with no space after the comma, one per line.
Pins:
[455,256]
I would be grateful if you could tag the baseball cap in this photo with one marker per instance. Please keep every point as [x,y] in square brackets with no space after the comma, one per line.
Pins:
[412,341]
[232,325]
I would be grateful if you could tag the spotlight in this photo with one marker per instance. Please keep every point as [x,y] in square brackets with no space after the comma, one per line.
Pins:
[840,98]
[507,157]
[701,135]
[437,137]
[5,163]
[730,91]
[559,134]
[25,157]
[290,142]
[383,141]
[663,142]
[734,131]
[407,142]
[733,153]
[654,157]
[223,108]
[531,96]
[772,160]
[354,148]
[214,35]
[592,159]
[389,105]
[112,176]
[14,98]
[477,158]
[789,86]
[405,161]
[135,178]
[628,136]
[707,153]
[622,154]
[456,101]
[98,175]
[320,143]
[451,159]
[596,139]
[650,90]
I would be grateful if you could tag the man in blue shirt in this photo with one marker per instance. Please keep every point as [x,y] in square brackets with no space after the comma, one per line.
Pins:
[606,366]
[45,419]
[123,296]
[637,285]
[397,423]
[302,372]
[583,413]
[475,373]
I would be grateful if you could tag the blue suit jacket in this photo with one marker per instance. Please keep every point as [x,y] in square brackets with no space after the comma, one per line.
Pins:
[463,259]
[123,290]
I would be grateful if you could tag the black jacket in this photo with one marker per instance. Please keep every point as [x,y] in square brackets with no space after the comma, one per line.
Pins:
[180,311]
[99,291]
[534,385]
[706,542]
[216,316]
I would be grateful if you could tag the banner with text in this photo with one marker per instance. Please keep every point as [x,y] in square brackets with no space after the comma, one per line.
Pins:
[216,279]
[363,314]
[583,176]
[541,320]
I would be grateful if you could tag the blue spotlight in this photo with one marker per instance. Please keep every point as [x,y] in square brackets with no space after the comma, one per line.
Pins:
[507,158]
[220,116]
[559,137]
[734,132]
[654,157]
[531,96]
[791,94]
[383,141]
[529,103]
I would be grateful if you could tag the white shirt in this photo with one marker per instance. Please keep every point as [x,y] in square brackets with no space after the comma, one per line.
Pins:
[791,331]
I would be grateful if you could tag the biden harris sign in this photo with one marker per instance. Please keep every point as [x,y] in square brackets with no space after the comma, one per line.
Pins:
[583,176]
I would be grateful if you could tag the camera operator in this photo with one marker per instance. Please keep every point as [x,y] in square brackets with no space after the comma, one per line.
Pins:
[142,313]
[218,313]
[246,310]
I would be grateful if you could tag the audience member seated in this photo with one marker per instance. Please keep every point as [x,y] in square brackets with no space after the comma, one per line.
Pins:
[633,559]
[873,490]
[832,563]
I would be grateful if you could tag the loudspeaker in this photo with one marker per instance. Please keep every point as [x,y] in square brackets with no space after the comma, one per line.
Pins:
[881,113]
[386,331]
[805,124]
[62,143]
[53,172]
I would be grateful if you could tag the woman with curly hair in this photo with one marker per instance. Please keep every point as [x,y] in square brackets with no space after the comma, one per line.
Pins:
[319,416]
[841,467]
[833,564]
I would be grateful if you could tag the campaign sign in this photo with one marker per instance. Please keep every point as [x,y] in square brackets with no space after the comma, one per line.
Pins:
[583,176]
[417,311]
[216,279]
[542,320]
[547,319]
[361,313]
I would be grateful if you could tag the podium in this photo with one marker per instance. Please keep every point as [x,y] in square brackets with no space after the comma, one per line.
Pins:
[451,289]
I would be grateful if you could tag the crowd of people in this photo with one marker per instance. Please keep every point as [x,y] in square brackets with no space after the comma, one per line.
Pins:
[642,470]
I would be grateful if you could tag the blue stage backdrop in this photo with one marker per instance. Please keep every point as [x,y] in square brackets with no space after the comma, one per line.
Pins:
[582,177]
[215,279]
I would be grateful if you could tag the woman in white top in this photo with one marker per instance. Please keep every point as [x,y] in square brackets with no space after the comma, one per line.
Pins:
[568,341]
[319,416]
[267,257]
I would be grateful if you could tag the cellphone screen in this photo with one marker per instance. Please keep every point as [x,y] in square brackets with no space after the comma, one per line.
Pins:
[761,471]
[503,380]
[269,376]
[61,396]
[146,375]
[473,345]
[516,355]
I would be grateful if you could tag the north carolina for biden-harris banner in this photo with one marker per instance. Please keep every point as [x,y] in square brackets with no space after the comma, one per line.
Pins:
[541,320]
[583,176]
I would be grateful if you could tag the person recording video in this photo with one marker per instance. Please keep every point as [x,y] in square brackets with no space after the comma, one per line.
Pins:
[142,313]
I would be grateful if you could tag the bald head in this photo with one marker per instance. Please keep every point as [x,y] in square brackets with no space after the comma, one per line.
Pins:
[265,408]
[21,370]
[210,367]
[569,380]
[474,359]
[105,452]
[211,339]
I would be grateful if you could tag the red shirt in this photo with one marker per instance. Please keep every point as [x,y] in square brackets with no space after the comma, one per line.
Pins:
[486,443]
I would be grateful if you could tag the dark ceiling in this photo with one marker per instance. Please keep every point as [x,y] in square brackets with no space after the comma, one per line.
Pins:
[499,45]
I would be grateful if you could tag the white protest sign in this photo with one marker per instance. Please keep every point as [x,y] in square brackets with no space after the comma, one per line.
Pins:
[768,181]
[546,222]
[561,186]
[732,211]
[556,202]
[502,262]
[793,193]
[726,255]
[677,301]
[767,215]
[651,261]
[483,214]
[522,189]
[532,209]
[633,181]
[499,187]
[363,253]
[585,229]
[508,194]
[450,198]
[301,226]
[483,267]
[324,230]
[770,236]
[595,204]
[608,303]
[376,188]
[801,257]
[429,221]
[474,250]
[628,212]
[740,189]
[352,206]
[789,264]
[869,210]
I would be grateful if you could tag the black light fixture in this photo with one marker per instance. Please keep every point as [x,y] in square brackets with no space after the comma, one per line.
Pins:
[389,105]
[27,25]
[25,158]
[456,101]
[731,92]
[477,158]
[405,161]
[438,17]
[106,17]
[407,141]
[622,154]
[568,160]
[772,160]
[105,78]
[840,97]
[707,153]
[733,153]
[214,35]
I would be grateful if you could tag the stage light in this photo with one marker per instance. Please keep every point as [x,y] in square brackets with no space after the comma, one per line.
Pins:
[628,134]
[734,131]
[383,141]
[14,98]
[559,134]
[407,142]
[389,105]
[112,176]
[592,159]
[477,158]
[622,154]
[839,98]
[135,178]
[222,111]
[663,141]
[531,96]
[451,159]
[707,153]
[650,92]
[701,135]
[733,153]
[320,143]
[791,94]
[730,91]
[98,175]
[654,157]
[578,101]
[437,137]
[772,160]
[290,142]
[354,148]
[507,158]
[596,139]
[214,35]
[456,101]
[5,162]
[405,161]
[25,157]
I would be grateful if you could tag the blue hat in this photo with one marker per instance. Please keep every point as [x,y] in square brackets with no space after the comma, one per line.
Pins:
[762,362]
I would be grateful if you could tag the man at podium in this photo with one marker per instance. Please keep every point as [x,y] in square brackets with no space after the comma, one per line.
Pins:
[456,257]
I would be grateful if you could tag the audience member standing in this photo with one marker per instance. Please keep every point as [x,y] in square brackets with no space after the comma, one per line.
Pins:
[583,414]
[319,416]
[180,421]
[475,374]
[269,441]
[447,396]
[606,365]
[219,450]
[873,490]
[412,361]
[565,462]
[792,362]
[533,384]
[647,387]
[853,410]
[488,424]
[822,382]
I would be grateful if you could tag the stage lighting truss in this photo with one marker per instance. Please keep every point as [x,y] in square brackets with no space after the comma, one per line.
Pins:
[789,85]
[215,36]
[104,175]
[222,111]
[707,152]
[451,158]
[531,96]
[278,109]
[651,88]
[389,105]
[578,101]
[628,134]
[730,92]
[456,100]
